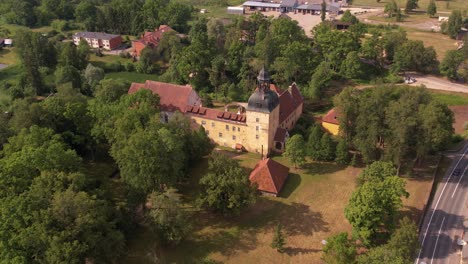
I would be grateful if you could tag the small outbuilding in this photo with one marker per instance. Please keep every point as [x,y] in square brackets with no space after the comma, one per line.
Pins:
[8,42]
[235,10]
[331,123]
[270,176]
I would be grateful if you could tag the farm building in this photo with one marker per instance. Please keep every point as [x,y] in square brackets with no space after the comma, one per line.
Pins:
[234,10]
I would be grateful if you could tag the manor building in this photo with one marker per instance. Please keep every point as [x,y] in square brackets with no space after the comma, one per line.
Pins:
[259,126]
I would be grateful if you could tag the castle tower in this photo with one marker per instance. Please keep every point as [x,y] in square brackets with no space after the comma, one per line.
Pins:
[262,115]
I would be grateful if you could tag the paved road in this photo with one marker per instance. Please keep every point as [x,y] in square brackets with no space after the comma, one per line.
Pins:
[443,223]
[433,82]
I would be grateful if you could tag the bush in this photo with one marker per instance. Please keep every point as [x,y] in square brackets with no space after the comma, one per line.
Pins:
[59,37]
[125,55]
[129,67]
[456,138]
[113,67]
[465,126]
[60,25]
[52,33]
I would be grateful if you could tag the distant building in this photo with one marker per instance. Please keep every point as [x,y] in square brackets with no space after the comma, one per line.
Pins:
[330,122]
[315,7]
[150,39]
[98,40]
[234,10]
[261,6]
[270,176]
[259,126]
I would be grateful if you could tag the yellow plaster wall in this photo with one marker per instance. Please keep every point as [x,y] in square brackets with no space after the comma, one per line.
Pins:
[213,128]
[331,128]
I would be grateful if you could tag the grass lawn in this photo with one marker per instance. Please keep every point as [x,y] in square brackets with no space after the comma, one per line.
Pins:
[450,99]
[8,56]
[108,59]
[441,43]
[132,76]
[441,5]
[310,208]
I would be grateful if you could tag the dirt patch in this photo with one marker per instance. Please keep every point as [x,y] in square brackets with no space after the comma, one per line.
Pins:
[461,116]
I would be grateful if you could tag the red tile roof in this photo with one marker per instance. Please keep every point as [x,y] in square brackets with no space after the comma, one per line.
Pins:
[172,97]
[280,134]
[331,117]
[213,114]
[269,175]
[290,100]
[155,36]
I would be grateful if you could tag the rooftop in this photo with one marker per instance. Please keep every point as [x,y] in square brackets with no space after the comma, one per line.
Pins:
[269,175]
[331,117]
[95,35]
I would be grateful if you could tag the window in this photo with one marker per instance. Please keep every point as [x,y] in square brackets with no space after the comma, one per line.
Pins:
[233,128]
[212,124]
[203,122]
[233,137]
[220,134]
[227,127]
[256,136]
[256,119]
[238,129]
[256,128]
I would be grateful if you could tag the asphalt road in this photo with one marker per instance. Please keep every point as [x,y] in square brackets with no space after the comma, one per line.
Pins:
[443,223]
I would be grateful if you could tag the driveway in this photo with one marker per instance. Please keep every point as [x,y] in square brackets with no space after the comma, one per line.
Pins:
[433,82]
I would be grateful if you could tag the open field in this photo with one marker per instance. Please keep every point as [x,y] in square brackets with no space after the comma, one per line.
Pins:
[8,56]
[450,99]
[441,43]
[310,207]
[132,76]
[441,5]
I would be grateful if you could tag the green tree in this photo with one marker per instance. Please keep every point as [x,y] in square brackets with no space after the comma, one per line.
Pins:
[167,217]
[226,186]
[111,90]
[377,172]
[293,64]
[373,206]
[327,148]
[323,12]
[411,5]
[314,142]
[352,67]
[339,250]
[86,13]
[146,61]
[348,17]
[278,239]
[93,75]
[413,56]
[450,64]
[454,23]
[177,15]
[391,8]
[342,152]
[68,74]
[380,254]
[319,81]
[295,150]
[432,8]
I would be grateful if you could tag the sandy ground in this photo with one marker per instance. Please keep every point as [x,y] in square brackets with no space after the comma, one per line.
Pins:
[437,83]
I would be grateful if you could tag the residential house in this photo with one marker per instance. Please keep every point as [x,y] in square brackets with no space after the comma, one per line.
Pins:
[150,39]
[331,123]
[98,40]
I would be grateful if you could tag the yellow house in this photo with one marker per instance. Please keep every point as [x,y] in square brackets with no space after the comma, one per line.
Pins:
[259,126]
[330,122]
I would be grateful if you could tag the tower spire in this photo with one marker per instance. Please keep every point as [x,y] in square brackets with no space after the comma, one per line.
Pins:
[263,79]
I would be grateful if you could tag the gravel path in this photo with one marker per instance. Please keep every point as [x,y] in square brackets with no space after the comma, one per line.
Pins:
[433,82]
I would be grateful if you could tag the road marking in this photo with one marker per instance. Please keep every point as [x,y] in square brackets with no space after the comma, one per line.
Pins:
[463,174]
[438,200]
[437,240]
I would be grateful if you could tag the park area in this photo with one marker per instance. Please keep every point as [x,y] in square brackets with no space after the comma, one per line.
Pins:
[310,209]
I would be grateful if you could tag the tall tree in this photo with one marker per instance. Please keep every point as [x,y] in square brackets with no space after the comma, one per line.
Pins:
[411,5]
[327,148]
[339,250]
[226,186]
[342,152]
[454,23]
[295,150]
[167,217]
[450,64]
[313,143]
[323,12]
[432,8]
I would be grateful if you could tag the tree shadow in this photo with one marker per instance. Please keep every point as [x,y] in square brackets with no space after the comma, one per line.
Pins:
[293,181]
[322,168]
[411,212]
[295,251]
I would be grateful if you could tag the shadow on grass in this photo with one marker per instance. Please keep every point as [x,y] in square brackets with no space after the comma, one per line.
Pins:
[295,251]
[322,168]
[293,181]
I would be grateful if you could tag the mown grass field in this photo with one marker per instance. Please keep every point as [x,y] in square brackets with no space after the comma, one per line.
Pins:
[444,6]
[450,99]
[441,43]
[310,207]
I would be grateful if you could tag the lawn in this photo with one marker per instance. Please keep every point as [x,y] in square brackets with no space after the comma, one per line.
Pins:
[441,43]
[132,76]
[441,5]
[450,99]
[8,56]
[310,207]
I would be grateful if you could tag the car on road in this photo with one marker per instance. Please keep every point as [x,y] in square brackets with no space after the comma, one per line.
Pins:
[456,172]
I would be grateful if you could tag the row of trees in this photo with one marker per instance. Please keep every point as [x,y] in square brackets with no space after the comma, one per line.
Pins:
[393,123]
[115,16]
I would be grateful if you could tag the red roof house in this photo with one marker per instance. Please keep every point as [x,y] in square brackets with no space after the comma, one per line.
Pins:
[172,97]
[150,39]
[270,176]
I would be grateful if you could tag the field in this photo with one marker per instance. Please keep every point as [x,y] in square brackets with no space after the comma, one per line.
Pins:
[441,43]
[444,6]
[310,208]
[450,99]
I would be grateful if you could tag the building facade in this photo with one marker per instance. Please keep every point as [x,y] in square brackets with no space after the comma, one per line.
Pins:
[259,126]
[98,40]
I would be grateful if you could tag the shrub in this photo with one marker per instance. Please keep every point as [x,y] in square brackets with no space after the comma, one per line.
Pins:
[129,67]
